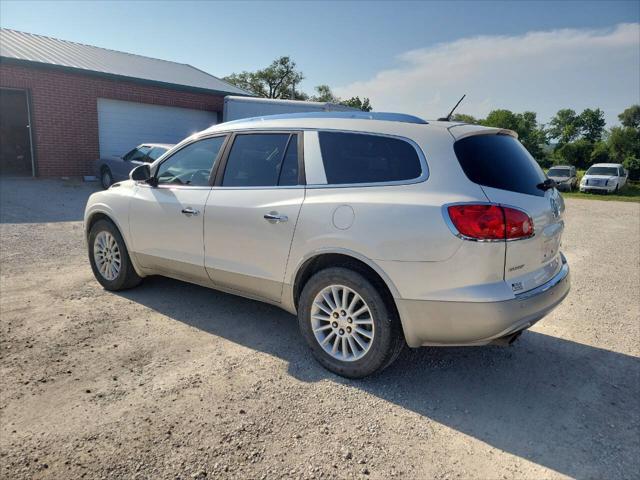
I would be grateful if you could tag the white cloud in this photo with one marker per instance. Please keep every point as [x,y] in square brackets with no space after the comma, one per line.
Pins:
[539,71]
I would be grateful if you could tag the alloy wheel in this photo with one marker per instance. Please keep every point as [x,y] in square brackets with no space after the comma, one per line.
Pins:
[106,254]
[342,323]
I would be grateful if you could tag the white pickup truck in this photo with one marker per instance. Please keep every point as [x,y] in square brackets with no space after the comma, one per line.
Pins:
[604,177]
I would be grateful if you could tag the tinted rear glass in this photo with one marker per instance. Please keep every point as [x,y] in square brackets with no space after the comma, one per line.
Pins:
[499,161]
[361,158]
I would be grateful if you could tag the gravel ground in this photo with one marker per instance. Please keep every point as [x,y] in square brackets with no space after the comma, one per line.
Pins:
[171,380]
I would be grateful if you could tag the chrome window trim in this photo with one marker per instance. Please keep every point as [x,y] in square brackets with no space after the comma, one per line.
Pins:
[165,186]
[454,230]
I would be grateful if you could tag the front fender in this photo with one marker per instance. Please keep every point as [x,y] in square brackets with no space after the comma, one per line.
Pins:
[114,204]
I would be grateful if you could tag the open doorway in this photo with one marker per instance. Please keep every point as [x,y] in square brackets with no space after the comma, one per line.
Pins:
[16,157]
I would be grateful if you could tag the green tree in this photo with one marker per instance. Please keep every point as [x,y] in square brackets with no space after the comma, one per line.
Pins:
[624,142]
[632,164]
[576,153]
[355,102]
[324,94]
[465,118]
[592,124]
[530,133]
[502,119]
[600,153]
[278,80]
[630,117]
[564,126]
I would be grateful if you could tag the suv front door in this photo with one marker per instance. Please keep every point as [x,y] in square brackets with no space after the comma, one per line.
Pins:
[252,213]
[166,221]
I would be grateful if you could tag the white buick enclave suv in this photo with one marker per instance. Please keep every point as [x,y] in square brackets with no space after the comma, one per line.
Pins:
[377,230]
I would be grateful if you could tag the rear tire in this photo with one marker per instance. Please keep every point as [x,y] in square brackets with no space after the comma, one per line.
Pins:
[342,340]
[109,258]
[106,178]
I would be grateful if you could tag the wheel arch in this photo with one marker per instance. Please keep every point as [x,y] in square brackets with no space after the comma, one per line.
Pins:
[322,260]
[98,214]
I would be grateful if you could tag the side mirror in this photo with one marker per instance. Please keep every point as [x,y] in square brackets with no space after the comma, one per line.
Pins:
[141,173]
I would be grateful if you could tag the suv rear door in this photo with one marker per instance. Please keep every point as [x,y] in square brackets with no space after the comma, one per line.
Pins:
[509,176]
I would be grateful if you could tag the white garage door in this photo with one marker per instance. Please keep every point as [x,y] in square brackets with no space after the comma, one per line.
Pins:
[123,125]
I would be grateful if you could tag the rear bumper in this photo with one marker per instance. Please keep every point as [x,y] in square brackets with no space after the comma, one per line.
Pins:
[479,323]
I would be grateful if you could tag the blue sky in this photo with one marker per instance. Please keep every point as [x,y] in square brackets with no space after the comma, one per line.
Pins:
[416,57]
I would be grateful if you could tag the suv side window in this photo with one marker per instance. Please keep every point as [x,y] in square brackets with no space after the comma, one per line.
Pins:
[262,160]
[621,171]
[363,158]
[192,164]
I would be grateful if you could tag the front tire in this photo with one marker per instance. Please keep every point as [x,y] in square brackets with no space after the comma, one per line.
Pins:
[347,324]
[109,258]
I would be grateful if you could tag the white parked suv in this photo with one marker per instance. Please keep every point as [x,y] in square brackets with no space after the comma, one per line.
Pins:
[377,230]
[604,177]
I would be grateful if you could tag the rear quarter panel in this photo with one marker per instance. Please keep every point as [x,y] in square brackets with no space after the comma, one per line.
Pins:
[399,226]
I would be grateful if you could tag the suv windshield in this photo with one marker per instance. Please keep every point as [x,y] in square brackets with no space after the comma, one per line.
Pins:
[558,172]
[613,171]
[499,161]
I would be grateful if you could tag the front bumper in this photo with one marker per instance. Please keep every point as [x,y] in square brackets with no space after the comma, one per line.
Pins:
[564,186]
[593,188]
[479,323]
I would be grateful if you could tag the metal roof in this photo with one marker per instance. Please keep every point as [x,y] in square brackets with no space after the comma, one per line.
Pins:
[356,115]
[46,51]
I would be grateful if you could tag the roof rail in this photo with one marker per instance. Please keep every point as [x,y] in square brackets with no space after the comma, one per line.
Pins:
[385,116]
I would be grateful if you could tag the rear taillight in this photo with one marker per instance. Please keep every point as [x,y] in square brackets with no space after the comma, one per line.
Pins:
[517,223]
[490,222]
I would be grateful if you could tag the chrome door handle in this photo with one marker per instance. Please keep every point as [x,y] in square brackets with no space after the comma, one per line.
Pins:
[190,211]
[275,217]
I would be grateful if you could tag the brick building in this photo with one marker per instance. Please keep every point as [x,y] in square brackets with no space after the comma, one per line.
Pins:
[64,104]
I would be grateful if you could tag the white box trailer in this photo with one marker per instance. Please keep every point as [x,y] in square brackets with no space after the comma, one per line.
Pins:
[236,107]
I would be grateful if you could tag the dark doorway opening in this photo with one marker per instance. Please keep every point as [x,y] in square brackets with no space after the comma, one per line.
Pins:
[15,136]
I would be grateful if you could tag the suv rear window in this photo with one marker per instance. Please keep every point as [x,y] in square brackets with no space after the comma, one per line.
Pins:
[361,158]
[499,161]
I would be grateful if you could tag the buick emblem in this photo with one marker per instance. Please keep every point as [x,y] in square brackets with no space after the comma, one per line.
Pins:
[555,208]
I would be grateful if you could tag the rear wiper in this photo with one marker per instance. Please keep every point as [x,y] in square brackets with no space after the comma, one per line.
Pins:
[547,184]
